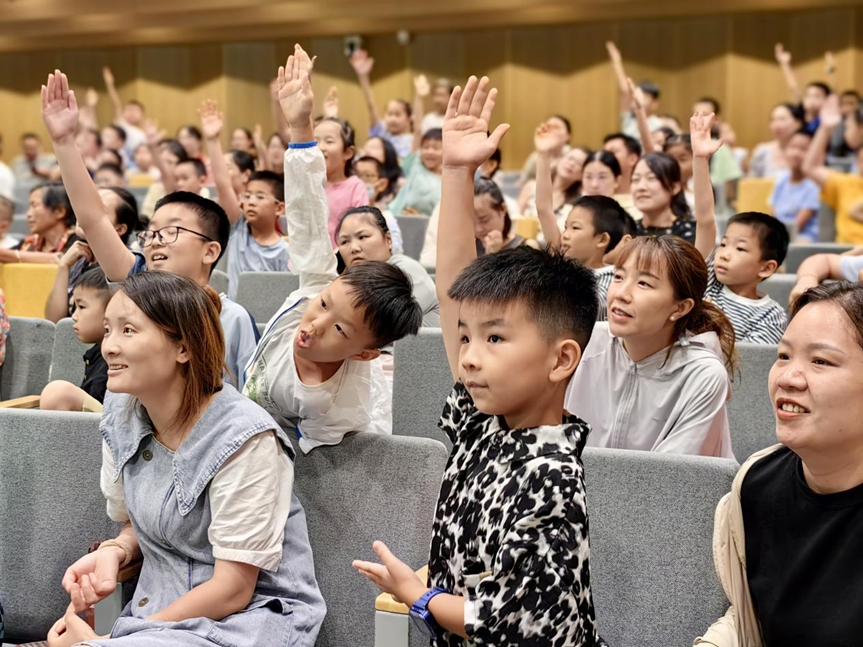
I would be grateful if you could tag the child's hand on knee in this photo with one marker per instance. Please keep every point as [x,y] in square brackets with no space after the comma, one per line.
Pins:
[393,576]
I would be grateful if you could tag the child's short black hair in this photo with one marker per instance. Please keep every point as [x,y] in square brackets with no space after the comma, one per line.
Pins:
[276,182]
[121,132]
[772,235]
[95,279]
[632,144]
[713,102]
[826,89]
[608,218]
[243,160]
[126,212]
[650,88]
[432,133]
[385,294]
[118,160]
[113,168]
[214,221]
[559,294]
[200,169]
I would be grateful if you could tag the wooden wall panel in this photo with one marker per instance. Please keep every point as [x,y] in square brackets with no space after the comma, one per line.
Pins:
[539,70]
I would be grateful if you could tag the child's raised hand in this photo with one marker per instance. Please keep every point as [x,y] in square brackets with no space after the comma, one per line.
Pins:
[783,57]
[829,62]
[362,63]
[547,138]
[422,86]
[466,142]
[295,89]
[108,76]
[59,107]
[92,97]
[830,114]
[152,133]
[331,103]
[613,52]
[212,119]
[639,101]
[393,576]
[703,145]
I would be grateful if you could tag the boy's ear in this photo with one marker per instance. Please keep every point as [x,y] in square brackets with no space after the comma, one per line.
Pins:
[367,355]
[280,208]
[121,229]
[211,252]
[567,357]
[381,185]
[768,269]
[604,239]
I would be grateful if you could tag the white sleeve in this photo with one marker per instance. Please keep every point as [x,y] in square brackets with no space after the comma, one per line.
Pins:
[308,214]
[428,256]
[112,491]
[250,499]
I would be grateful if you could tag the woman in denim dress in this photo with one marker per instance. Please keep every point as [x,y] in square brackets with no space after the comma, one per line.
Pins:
[202,480]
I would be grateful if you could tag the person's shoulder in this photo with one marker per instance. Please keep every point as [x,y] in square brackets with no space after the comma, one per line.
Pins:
[765,467]
[233,311]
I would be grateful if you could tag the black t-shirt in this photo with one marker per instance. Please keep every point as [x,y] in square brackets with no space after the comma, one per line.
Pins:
[95,373]
[682,228]
[804,561]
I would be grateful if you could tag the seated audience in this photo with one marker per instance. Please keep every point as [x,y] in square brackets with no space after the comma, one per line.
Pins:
[144,171]
[658,194]
[796,199]
[566,173]
[768,158]
[316,368]
[381,192]
[7,214]
[123,212]
[783,538]
[90,295]
[514,326]
[129,115]
[396,125]
[842,192]
[812,97]
[253,202]
[383,151]
[751,250]
[109,176]
[664,357]
[52,227]
[187,234]
[559,125]
[628,121]
[493,226]
[32,167]
[421,193]
[628,151]
[232,552]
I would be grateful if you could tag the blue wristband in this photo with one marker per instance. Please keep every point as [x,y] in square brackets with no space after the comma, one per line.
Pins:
[303,145]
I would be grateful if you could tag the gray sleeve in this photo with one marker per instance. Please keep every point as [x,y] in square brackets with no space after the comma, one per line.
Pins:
[239,340]
[423,288]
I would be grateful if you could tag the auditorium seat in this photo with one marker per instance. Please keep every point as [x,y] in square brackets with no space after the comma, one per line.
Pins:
[26,286]
[750,411]
[369,487]
[753,194]
[52,508]
[651,560]
[67,359]
[421,383]
[413,234]
[263,293]
[28,357]
[219,281]
[799,253]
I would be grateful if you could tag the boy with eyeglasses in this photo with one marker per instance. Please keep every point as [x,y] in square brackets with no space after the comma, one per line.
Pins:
[187,234]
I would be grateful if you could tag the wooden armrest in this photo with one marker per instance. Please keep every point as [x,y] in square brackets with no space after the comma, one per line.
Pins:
[27,402]
[386,602]
[129,571]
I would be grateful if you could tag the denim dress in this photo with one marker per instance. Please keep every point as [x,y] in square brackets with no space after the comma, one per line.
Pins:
[168,501]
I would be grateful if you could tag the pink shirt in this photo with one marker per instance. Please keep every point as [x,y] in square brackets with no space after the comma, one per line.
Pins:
[343,196]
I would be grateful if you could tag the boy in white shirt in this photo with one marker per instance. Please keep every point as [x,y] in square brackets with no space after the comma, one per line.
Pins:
[316,369]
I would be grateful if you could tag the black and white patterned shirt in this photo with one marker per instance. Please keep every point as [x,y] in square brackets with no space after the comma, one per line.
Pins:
[511,530]
[682,228]
[604,277]
[755,321]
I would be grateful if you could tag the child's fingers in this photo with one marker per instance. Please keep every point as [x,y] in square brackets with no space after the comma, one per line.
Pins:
[73,102]
[479,97]
[44,97]
[64,85]
[467,96]
[488,105]
[452,106]
[498,134]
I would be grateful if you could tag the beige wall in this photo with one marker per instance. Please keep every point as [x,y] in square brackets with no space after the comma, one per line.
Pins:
[539,70]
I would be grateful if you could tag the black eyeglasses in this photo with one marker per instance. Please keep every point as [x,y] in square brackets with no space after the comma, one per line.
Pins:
[167,235]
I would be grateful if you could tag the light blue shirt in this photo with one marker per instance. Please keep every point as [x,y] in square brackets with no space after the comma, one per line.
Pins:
[789,198]
[851,267]
[245,254]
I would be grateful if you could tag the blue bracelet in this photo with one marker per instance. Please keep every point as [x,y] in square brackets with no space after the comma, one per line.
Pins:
[303,145]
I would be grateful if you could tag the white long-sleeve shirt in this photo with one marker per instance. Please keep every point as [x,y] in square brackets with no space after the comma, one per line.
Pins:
[675,405]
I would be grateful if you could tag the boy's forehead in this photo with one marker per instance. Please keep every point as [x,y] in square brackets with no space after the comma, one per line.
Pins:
[740,230]
[173,214]
[510,313]
[260,185]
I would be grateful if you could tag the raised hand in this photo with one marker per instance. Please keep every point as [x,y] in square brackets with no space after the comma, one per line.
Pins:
[703,145]
[783,57]
[547,138]
[829,114]
[829,62]
[295,90]
[639,100]
[613,52]
[466,142]
[362,63]
[331,103]
[108,76]
[92,98]
[212,119]
[59,108]
[422,86]
[152,133]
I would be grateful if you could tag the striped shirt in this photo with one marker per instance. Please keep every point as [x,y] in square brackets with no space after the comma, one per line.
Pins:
[755,321]
[604,276]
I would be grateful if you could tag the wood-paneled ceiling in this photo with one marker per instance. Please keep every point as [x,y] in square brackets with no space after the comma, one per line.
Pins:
[49,24]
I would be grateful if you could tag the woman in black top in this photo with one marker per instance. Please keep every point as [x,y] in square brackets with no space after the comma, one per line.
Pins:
[801,503]
[657,190]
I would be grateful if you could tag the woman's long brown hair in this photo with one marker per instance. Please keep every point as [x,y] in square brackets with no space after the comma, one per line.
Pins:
[188,314]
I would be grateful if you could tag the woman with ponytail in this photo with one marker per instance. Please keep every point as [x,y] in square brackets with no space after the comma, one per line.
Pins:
[656,375]
[201,479]
[657,189]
